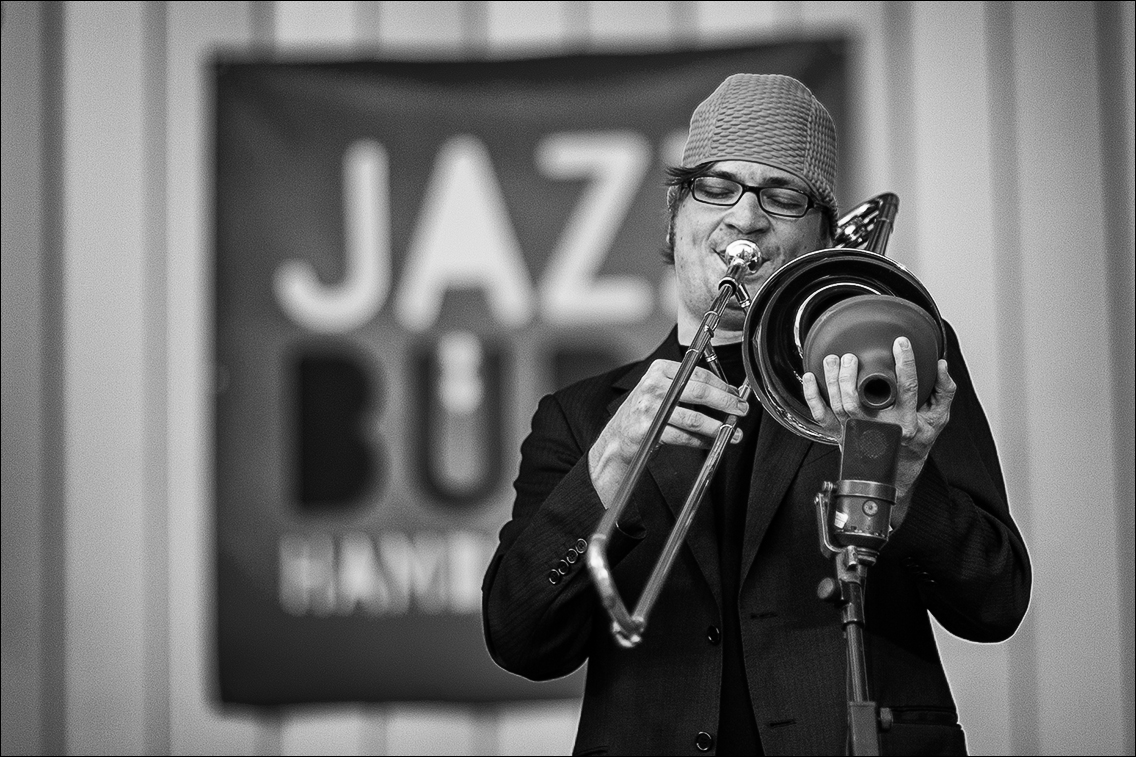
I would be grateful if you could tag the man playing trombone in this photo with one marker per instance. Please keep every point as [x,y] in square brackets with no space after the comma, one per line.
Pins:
[741,657]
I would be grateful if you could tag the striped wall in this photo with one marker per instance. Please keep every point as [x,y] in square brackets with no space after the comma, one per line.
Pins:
[1006,129]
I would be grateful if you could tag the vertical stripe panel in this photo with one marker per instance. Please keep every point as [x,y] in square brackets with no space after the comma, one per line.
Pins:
[1118,93]
[734,21]
[631,25]
[104,374]
[368,20]
[867,156]
[953,202]
[156,658]
[304,24]
[421,30]
[866,162]
[533,28]
[324,730]
[1013,428]
[54,558]
[899,128]
[22,534]
[1073,497]
[441,729]
[195,31]
[539,728]
[953,205]
[1126,391]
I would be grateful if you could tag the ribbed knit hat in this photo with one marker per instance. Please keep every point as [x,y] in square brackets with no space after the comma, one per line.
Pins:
[771,119]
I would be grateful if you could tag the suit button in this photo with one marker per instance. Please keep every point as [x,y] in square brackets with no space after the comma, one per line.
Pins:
[581,546]
[704,741]
[572,555]
[553,577]
[713,635]
[563,567]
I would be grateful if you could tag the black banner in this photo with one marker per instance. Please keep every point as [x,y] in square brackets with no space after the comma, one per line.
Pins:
[408,256]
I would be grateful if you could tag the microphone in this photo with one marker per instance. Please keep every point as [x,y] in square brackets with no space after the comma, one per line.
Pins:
[858,510]
[863,497]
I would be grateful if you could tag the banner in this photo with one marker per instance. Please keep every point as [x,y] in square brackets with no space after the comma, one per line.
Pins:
[408,255]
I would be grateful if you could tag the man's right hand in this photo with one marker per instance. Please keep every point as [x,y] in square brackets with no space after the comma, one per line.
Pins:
[610,457]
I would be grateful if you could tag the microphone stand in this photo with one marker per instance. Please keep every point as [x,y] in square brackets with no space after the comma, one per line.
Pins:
[853,518]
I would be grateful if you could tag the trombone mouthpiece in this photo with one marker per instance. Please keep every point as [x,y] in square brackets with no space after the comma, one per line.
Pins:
[744,251]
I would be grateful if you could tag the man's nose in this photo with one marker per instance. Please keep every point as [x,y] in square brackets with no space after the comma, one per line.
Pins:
[746,216]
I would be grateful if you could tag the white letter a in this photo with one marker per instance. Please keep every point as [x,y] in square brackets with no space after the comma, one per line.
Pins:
[463,240]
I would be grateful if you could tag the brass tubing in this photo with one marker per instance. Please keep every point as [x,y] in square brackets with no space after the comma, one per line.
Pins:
[627,627]
[686,517]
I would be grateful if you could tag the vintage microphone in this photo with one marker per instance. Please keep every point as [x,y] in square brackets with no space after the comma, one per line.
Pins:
[854,516]
[861,501]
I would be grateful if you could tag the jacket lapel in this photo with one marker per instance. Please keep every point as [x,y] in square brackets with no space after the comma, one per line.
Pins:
[673,470]
[779,455]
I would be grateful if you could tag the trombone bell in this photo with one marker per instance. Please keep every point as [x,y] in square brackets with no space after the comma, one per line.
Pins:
[832,302]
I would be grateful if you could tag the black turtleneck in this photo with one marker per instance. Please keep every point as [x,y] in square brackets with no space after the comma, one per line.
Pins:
[729,495]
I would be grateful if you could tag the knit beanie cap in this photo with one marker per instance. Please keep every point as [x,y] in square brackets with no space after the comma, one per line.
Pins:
[771,119]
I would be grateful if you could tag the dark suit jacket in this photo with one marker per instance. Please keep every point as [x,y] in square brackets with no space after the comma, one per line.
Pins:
[958,555]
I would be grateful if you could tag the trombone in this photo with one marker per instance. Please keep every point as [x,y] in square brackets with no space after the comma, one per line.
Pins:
[778,320]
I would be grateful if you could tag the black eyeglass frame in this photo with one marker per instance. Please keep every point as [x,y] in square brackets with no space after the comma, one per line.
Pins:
[757,191]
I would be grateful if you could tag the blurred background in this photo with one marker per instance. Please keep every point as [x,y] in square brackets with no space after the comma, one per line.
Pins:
[1005,128]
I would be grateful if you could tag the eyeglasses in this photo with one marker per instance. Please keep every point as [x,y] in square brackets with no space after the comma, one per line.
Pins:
[776,201]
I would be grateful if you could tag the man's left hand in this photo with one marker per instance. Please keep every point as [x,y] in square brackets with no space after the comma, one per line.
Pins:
[920,426]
